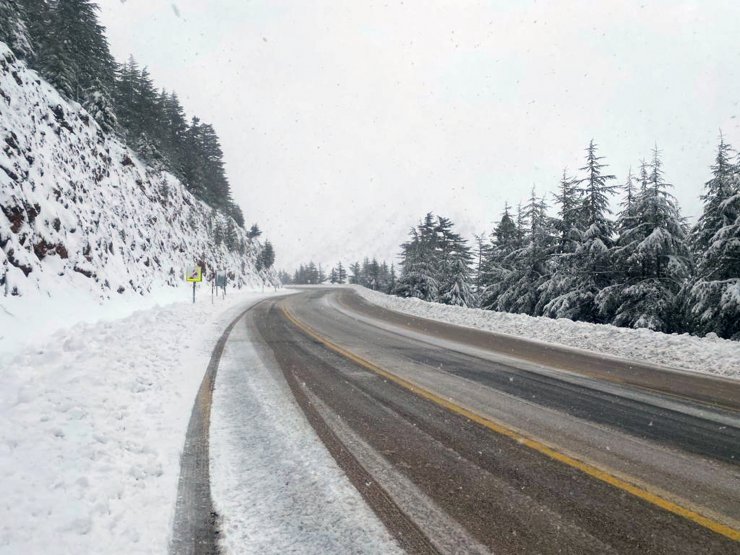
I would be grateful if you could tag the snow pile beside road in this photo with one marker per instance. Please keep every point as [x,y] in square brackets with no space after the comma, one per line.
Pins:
[708,355]
[27,320]
[276,487]
[92,424]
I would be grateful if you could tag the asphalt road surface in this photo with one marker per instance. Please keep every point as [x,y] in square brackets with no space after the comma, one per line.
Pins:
[463,441]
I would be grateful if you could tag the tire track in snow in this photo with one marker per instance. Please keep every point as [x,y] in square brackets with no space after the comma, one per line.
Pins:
[195,528]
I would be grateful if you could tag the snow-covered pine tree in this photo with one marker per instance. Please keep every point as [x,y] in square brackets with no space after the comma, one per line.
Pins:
[254,231]
[356,273]
[384,276]
[419,263]
[652,258]
[176,129]
[333,276]
[458,289]
[711,301]
[312,273]
[374,275]
[529,263]
[13,29]
[100,106]
[299,276]
[588,270]
[392,279]
[568,224]
[453,272]
[268,254]
[598,234]
[481,250]
[75,56]
[341,273]
[235,212]
[562,263]
[195,166]
[505,238]
[230,238]
[125,92]
[218,234]
[608,298]
[718,189]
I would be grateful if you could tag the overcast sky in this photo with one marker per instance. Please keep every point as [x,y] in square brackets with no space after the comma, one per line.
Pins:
[344,122]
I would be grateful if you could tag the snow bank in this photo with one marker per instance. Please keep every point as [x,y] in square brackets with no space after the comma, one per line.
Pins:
[276,487]
[707,355]
[92,424]
[29,320]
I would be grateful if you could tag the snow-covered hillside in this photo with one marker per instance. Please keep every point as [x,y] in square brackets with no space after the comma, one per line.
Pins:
[80,211]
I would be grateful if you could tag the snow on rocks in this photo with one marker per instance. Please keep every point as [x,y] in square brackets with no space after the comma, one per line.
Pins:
[92,424]
[79,209]
[708,355]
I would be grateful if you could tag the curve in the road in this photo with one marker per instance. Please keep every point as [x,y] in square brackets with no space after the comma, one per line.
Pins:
[538,446]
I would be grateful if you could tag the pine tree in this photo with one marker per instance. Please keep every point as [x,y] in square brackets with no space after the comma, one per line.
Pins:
[568,224]
[457,290]
[505,238]
[528,263]
[195,165]
[420,262]
[235,212]
[652,258]
[341,273]
[174,141]
[712,298]
[230,237]
[481,250]
[13,29]
[75,56]
[562,264]
[718,189]
[254,232]
[356,273]
[581,276]
[268,255]
[218,234]
[453,272]
[125,92]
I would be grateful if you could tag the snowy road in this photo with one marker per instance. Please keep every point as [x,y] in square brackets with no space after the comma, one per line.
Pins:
[457,446]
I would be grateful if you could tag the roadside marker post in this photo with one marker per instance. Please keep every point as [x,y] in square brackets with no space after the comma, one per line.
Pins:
[194,274]
[221,282]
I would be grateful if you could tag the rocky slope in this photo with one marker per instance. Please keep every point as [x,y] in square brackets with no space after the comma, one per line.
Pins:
[79,209]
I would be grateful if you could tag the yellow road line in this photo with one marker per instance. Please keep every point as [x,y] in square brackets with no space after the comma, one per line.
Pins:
[599,474]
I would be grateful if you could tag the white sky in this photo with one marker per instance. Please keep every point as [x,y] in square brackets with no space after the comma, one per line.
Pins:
[343,122]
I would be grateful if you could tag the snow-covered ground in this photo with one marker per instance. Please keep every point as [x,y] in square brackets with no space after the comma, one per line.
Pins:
[276,487]
[709,355]
[92,424]
[28,320]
